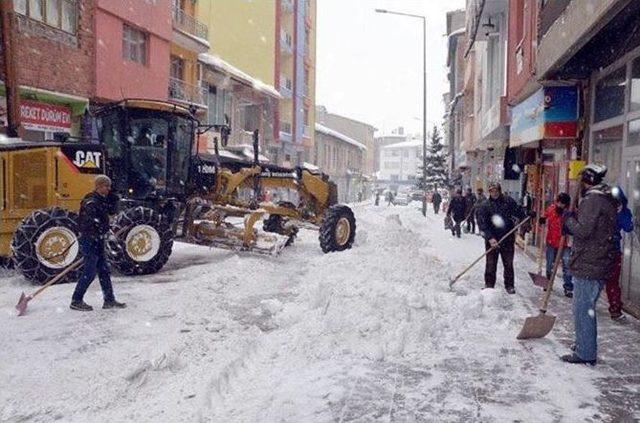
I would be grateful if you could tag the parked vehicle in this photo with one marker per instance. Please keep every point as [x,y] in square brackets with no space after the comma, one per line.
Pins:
[401,200]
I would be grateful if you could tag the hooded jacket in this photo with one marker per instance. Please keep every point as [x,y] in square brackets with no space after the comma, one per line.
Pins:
[593,229]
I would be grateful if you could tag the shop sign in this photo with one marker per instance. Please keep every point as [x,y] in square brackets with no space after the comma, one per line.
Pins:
[45,117]
[550,113]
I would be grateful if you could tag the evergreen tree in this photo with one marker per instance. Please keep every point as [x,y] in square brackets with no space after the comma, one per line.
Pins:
[437,174]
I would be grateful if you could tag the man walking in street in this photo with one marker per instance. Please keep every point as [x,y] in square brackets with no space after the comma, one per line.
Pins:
[470,209]
[497,216]
[624,222]
[553,218]
[436,199]
[94,226]
[456,211]
[592,259]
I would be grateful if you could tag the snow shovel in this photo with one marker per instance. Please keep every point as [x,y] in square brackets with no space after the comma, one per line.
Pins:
[539,326]
[454,280]
[21,307]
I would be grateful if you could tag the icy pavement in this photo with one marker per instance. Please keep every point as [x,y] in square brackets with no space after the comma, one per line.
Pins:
[371,334]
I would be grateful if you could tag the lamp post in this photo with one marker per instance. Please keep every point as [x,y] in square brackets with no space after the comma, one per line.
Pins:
[424,99]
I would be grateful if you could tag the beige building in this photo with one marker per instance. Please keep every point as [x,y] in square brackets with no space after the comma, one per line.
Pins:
[342,158]
[359,131]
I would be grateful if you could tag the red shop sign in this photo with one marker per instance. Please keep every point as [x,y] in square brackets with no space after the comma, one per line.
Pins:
[45,117]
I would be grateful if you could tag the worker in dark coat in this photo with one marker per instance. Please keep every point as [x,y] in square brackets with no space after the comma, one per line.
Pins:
[457,212]
[595,232]
[94,227]
[497,216]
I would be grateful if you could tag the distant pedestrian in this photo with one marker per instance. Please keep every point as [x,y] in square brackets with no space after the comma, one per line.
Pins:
[553,219]
[470,209]
[377,198]
[390,198]
[592,258]
[624,222]
[456,211]
[436,199]
[497,216]
[94,226]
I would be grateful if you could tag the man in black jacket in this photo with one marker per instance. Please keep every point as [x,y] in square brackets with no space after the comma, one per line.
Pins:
[496,217]
[456,211]
[436,199]
[94,226]
[470,209]
[592,258]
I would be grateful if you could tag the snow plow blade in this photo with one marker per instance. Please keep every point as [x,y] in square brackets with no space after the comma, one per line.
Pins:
[539,280]
[537,326]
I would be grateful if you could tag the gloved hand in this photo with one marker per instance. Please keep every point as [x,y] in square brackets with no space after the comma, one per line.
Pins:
[493,243]
[568,214]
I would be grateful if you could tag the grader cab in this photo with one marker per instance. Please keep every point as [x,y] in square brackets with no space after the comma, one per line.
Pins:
[168,193]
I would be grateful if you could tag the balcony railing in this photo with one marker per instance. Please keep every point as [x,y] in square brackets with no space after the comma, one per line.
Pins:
[286,42]
[187,23]
[187,93]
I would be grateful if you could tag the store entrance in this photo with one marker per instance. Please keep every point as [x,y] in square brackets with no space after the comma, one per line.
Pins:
[630,280]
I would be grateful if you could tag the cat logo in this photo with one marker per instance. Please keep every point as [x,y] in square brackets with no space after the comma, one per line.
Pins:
[88,159]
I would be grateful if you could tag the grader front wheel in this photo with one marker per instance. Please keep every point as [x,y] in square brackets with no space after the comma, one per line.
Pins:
[45,243]
[338,229]
[145,245]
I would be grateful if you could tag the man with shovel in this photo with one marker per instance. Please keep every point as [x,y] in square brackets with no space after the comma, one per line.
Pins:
[592,258]
[497,216]
[94,227]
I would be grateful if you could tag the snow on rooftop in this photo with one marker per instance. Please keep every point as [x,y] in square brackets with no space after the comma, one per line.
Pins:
[328,131]
[217,62]
[457,32]
[405,144]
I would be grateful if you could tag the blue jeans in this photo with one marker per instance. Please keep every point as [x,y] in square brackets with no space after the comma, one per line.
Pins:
[585,297]
[95,263]
[566,273]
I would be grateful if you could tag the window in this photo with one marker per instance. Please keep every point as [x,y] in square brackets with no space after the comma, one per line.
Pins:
[635,86]
[306,117]
[177,68]
[251,118]
[633,137]
[607,150]
[609,101]
[134,45]
[59,14]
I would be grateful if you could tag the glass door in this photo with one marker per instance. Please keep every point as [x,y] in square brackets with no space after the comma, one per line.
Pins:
[630,280]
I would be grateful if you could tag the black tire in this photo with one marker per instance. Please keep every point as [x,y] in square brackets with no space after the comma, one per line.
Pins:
[143,225]
[275,224]
[337,216]
[45,243]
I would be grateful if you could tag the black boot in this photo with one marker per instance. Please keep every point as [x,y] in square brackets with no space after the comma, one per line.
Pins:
[113,304]
[574,359]
[568,293]
[511,290]
[80,306]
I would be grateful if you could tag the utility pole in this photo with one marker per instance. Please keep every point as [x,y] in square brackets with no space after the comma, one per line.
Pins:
[10,69]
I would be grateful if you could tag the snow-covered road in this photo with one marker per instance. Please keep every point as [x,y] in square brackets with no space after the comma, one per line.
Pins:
[371,334]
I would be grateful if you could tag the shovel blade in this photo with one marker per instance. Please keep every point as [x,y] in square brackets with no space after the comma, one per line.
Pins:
[539,280]
[21,307]
[537,326]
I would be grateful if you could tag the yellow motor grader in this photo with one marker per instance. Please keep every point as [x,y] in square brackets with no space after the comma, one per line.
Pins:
[168,192]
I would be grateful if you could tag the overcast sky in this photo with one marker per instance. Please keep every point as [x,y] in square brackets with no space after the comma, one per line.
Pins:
[369,65]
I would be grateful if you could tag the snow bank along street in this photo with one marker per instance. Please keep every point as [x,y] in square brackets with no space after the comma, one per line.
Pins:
[371,334]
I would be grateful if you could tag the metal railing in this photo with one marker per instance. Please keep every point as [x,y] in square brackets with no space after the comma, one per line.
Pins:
[188,93]
[286,42]
[287,5]
[187,23]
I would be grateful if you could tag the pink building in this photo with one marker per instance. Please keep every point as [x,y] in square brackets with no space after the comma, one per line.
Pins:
[132,49]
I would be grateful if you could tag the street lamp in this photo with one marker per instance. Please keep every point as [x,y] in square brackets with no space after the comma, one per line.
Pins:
[424,98]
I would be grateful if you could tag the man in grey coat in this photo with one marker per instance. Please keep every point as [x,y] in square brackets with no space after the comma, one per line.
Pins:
[592,258]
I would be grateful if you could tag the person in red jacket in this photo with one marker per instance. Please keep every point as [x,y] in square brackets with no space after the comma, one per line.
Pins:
[553,219]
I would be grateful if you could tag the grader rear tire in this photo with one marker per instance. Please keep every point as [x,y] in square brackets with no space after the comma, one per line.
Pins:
[145,246]
[45,243]
[338,229]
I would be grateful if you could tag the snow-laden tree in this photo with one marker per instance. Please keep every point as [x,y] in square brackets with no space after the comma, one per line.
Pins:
[437,174]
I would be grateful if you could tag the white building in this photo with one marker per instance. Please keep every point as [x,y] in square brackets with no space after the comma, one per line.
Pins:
[400,163]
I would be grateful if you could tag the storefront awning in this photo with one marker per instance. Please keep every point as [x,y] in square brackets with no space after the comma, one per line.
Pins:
[77,104]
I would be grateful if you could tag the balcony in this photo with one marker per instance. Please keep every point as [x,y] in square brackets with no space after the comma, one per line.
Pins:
[286,43]
[287,5]
[182,92]
[285,131]
[189,33]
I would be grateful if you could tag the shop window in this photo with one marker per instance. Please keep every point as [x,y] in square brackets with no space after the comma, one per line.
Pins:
[134,45]
[633,137]
[635,86]
[607,150]
[610,90]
